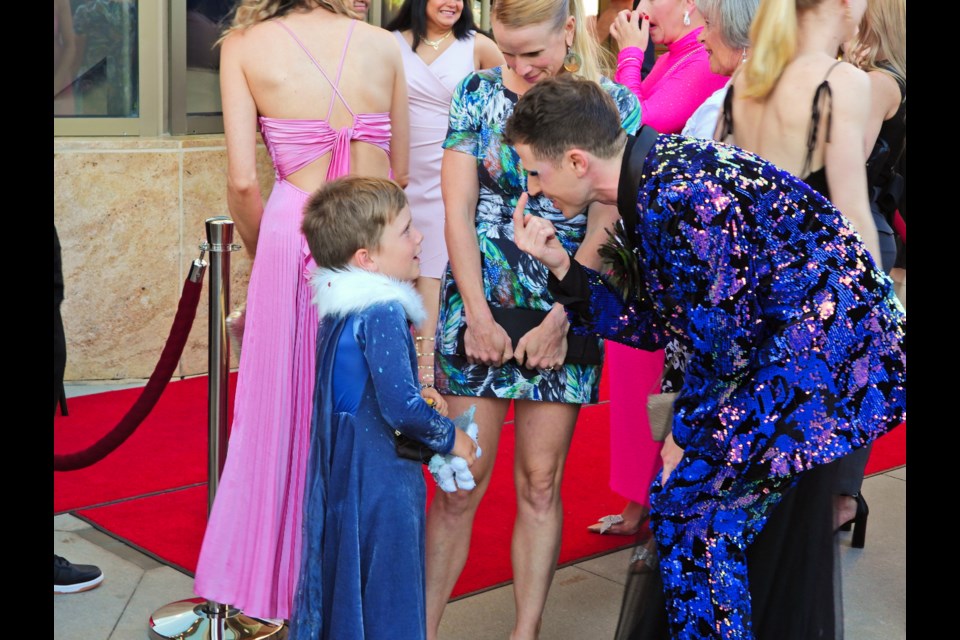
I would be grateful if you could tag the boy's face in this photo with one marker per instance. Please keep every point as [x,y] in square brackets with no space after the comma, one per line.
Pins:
[398,255]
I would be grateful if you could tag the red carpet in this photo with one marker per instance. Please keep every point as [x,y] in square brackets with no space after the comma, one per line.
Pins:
[888,451]
[151,492]
[169,450]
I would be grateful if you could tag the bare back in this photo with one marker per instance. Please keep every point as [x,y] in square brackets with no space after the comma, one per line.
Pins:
[777,128]
[285,83]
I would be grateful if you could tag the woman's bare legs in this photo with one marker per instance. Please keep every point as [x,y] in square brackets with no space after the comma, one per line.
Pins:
[450,516]
[429,290]
[543,434]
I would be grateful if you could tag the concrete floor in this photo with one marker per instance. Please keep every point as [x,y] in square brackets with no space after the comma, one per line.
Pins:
[584,600]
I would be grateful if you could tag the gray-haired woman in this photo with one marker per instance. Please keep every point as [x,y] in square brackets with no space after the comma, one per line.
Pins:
[726,35]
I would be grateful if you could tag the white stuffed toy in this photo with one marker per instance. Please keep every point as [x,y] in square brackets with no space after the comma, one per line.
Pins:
[451,472]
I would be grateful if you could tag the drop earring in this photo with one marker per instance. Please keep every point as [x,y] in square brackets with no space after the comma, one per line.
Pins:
[572,61]
[686,18]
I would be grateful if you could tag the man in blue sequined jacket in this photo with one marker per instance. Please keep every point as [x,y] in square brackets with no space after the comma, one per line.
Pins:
[796,338]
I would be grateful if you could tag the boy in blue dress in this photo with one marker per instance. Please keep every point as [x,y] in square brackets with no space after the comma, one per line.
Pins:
[364,510]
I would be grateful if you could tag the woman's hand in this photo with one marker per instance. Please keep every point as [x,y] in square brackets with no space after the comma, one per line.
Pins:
[487,342]
[434,399]
[631,29]
[537,237]
[545,346]
[671,454]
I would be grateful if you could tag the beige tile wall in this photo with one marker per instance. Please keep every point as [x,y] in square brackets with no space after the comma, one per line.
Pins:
[130,214]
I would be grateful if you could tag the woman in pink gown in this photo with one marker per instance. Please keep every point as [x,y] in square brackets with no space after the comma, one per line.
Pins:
[440,46]
[678,83]
[329,95]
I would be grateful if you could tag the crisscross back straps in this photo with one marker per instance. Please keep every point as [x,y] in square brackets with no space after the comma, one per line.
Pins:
[334,84]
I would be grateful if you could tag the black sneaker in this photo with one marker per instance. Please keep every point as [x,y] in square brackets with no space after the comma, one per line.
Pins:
[73,578]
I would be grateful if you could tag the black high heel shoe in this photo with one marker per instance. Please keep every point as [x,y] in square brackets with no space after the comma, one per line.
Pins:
[858,523]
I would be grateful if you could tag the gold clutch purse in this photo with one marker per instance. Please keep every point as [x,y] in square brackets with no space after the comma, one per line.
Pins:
[660,414]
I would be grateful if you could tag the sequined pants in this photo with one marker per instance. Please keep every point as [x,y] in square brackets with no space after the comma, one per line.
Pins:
[703,523]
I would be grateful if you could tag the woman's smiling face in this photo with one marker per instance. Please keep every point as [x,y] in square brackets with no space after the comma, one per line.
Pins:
[723,59]
[361,7]
[443,14]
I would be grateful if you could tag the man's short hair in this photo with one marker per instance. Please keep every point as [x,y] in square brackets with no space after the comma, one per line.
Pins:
[566,112]
[348,214]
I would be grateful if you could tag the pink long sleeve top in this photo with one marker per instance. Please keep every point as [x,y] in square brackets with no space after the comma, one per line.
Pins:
[678,83]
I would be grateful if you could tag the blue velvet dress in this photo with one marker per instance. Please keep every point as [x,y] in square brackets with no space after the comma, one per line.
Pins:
[797,358]
[362,573]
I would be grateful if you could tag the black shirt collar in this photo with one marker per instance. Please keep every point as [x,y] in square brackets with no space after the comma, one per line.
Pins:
[626,190]
[635,154]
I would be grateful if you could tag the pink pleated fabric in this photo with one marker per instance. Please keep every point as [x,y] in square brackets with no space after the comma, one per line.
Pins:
[635,456]
[250,556]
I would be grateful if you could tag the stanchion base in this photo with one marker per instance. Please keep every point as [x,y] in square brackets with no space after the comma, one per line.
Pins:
[191,620]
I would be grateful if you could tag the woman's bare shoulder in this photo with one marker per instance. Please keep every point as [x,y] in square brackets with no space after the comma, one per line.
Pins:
[251,42]
[486,52]
[374,36]
[812,70]
[884,87]
[850,86]
[257,32]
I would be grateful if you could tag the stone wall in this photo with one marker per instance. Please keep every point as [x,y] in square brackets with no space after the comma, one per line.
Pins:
[130,213]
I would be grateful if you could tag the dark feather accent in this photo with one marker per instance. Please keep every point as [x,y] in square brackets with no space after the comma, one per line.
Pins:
[619,261]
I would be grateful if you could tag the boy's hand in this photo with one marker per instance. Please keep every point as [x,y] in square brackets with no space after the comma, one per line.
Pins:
[465,447]
[434,399]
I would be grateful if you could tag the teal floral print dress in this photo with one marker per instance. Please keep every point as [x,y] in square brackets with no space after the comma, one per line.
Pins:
[511,279]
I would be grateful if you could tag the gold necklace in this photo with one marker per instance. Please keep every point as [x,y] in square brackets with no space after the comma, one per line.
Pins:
[436,43]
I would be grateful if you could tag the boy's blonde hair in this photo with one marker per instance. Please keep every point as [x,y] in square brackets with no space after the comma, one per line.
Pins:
[348,214]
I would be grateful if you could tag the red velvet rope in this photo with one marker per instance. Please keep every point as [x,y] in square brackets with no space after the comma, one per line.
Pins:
[172,350]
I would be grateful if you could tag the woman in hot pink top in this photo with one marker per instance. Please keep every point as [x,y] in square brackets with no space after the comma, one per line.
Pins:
[681,79]
[678,83]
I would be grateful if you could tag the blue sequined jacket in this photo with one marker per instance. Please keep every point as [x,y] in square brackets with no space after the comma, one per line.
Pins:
[796,337]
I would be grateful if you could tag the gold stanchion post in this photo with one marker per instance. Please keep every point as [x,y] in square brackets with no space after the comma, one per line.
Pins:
[198,618]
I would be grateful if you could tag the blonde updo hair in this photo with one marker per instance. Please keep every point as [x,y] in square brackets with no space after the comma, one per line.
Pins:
[774,37]
[523,13]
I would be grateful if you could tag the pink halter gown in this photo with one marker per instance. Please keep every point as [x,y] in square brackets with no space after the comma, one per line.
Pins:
[250,556]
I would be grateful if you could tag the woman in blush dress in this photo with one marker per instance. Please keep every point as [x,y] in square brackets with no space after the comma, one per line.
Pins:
[440,46]
[319,120]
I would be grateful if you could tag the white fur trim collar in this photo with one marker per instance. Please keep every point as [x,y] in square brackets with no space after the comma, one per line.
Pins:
[349,290]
